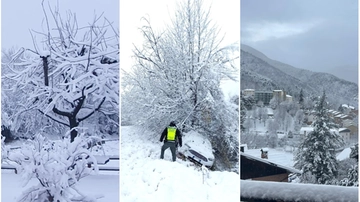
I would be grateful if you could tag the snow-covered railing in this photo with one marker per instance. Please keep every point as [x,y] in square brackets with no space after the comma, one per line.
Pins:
[9,167]
[281,191]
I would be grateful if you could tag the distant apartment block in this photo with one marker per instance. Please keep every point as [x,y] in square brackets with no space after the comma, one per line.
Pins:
[249,92]
[289,98]
[280,94]
[264,96]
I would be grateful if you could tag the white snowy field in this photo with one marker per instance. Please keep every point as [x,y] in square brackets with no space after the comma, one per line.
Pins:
[145,177]
[104,185]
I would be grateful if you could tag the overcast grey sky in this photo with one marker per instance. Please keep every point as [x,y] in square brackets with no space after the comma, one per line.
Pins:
[19,16]
[308,34]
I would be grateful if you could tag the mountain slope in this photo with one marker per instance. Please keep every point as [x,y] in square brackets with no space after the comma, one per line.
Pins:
[261,73]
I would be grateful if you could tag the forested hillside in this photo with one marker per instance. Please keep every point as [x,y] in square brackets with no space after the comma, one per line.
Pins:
[261,73]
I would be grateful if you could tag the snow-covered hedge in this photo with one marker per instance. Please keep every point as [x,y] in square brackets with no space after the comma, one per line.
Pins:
[57,166]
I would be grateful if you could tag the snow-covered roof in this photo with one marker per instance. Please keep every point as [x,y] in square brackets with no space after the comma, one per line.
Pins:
[277,90]
[344,154]
[348,106]
[344,130]
[289,96]
[309,129]
[267,161]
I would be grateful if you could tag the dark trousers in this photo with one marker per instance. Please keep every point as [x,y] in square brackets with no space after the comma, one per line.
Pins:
[172,146]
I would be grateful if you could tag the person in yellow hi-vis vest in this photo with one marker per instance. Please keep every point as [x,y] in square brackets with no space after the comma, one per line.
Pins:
[171,137]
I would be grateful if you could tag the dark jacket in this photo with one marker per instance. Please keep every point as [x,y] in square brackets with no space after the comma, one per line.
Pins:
[178,138]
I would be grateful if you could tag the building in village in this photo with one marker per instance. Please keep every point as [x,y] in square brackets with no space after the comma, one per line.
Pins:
[279,94]
[289,98]
[265,96]
[249,92]
[265,166]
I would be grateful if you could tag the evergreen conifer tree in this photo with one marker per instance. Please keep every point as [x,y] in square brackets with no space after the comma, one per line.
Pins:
[242,113]
[301,98]
[316,154]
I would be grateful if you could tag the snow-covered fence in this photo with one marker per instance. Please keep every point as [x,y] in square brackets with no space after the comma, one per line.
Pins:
[280,191]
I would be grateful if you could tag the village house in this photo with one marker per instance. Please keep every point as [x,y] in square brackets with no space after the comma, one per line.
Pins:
[264,166]
[345,134]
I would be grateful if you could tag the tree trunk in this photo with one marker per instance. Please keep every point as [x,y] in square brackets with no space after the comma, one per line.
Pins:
[46,69]
[73,125]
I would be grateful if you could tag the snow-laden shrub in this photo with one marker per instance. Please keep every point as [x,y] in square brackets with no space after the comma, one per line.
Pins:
[4,149]
[352,177]
[57,166]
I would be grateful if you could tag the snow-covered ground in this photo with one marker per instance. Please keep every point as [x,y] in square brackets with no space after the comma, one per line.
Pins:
[105,184]
[145,177]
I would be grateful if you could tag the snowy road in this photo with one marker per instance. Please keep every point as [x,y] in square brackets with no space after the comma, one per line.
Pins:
[144,177]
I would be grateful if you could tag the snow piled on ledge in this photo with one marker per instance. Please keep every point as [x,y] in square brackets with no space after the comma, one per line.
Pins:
[297,192]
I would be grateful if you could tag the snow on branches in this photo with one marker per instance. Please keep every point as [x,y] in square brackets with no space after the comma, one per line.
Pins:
[72,73]
[56,165]
[316,154]
[178,71]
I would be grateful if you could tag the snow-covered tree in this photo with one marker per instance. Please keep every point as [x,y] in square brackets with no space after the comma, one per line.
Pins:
[272,140]
[248,124]
[301,99]
[288,121]
[72,72]
[275,102]
[350,166]
[177,71]
[298,120]
[273,125]
[316,153]
[249,102]
[242,115]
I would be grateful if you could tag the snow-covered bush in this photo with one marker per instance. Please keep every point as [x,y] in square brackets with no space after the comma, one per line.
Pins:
[57,166]
[4,149]
[352,177]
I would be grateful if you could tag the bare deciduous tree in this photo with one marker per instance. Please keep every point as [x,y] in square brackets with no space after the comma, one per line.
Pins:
[177,70]
[72,72]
